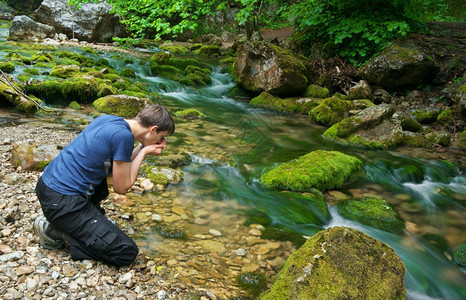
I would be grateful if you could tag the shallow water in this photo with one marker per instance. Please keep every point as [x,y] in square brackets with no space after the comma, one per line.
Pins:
[234,144]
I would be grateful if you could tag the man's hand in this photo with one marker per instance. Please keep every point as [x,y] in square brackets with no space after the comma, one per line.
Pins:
[155,149]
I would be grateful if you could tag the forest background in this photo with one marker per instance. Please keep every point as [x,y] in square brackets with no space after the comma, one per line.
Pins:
[354,30]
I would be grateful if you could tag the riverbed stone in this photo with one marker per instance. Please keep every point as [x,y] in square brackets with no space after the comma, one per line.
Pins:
[340,262]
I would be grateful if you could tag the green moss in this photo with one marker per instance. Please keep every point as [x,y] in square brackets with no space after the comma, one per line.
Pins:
[446,117]
[74,105]
[319,169]
[120,105]
[41,166]
[461,138]
[208,50]
[252,282]
[161,58]
[330,111]
[343,129]
[340,263]
[7,67]
[14,56]
[363,142]
[83,89]
[409,124]
[372,211]
[42,57]
[280,234]
[288,105]
[169,231]
[414,140]
[316,91]
[65,71]
[24,77]
[158,178]
[50,91]
[112,77]
[459,257]
[190,113]
[106,89]
[128,72]
[178,49]
[426,117]
[31,71]
[166,71]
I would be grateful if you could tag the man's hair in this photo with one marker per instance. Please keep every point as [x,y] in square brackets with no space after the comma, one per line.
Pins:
[156,115]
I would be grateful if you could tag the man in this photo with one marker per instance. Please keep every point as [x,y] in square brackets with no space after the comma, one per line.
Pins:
[74,183]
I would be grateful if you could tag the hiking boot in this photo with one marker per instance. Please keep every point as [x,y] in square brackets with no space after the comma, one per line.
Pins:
[41,226]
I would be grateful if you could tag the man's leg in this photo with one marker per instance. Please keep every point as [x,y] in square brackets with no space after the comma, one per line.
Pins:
[92,235]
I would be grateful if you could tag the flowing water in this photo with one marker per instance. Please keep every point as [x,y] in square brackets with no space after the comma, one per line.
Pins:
[235,143]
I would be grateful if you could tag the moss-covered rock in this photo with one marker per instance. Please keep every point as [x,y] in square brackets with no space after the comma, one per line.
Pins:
[461,137]
[171,231]
[190,113]
[319,169]
[172,48]
[65,71]
[372,211]
[208,50]
[7,67]
[128,72]
[74,105]
[252,282]
[14,56]
[459,257]
[166,71]
[316,91]
[16,99]
[289,105]
[409,124]
[120,105]
[340,263]
[82,88]
[106,89]
[426,117]
[330,111]
[42,56]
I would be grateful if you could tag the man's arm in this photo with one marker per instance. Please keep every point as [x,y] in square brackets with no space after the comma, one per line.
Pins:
[125,173]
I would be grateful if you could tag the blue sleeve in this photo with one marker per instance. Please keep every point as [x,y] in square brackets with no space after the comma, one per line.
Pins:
[122,145]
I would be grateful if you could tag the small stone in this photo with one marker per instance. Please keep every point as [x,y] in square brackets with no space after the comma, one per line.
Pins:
[161,295]
[240,252]
[200,221]
[215,232]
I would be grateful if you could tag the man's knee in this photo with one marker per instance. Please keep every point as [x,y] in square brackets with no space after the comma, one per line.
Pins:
[123,255]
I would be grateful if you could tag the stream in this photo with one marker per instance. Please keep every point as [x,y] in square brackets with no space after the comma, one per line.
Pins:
[232,146]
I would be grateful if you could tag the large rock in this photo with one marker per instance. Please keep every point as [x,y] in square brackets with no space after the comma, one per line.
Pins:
[91,22]
[461,100]
[6,12]
[397,67]
[340,263]
[121,105]
[34,157]
[321,170]
[25,29]
[262,66]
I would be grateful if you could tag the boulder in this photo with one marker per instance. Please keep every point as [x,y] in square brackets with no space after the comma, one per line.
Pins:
[91,22]
[461,100]
[32,156]
[120,105]
[397,67]
[262,66]
[25,29]
[6,12]
[372,211]
[321,170]
[291,105]
[340,263]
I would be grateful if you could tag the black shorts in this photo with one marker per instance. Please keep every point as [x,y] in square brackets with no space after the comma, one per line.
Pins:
[92,235]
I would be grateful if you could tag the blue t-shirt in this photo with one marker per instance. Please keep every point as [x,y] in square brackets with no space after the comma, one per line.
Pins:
[85,162]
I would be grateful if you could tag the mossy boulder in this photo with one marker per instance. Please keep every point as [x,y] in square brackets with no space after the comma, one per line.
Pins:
[361,90]
[74,105]
[293,105]
[321,170]
[208,50]
[461,138]
[164,175]
[65,71]
[426,117]
[7,67]
[330,111]
[190,113]
[173,48]
[120,105]
[340,263]
[316,91]
[81,88]
[459,257]
[264,67]
[409,124]
[128,72]
[166,71]
[399,66]
[372,211]
[13,98]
